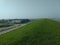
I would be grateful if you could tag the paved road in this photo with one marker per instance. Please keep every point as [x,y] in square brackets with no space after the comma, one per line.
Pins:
[8,29]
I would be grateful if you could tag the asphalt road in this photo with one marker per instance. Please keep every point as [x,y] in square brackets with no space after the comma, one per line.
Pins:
[8,29]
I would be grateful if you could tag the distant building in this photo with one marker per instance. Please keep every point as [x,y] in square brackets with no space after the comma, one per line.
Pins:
[14,21]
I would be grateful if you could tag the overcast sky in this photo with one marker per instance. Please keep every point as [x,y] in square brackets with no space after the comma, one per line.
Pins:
[29,9]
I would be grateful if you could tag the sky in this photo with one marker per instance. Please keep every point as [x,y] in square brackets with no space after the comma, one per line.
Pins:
[29,9]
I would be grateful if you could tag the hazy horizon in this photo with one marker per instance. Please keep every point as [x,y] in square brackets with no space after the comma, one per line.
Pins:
[21,9]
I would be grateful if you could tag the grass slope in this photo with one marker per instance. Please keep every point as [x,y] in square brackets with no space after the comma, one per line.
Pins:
[40,32]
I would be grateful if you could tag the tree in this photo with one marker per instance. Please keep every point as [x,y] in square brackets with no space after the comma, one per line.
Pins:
[25,20]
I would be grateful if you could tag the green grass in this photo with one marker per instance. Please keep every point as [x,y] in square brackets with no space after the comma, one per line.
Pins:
[40,32]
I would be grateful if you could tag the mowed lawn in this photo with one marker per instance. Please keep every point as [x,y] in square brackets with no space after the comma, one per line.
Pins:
[40,32]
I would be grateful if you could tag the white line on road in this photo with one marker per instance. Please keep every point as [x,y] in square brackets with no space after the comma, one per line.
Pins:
[18,26]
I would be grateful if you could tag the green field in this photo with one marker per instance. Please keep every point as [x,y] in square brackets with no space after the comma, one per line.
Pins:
[39,32]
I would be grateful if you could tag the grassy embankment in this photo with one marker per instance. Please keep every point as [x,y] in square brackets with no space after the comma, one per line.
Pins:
[40,32]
